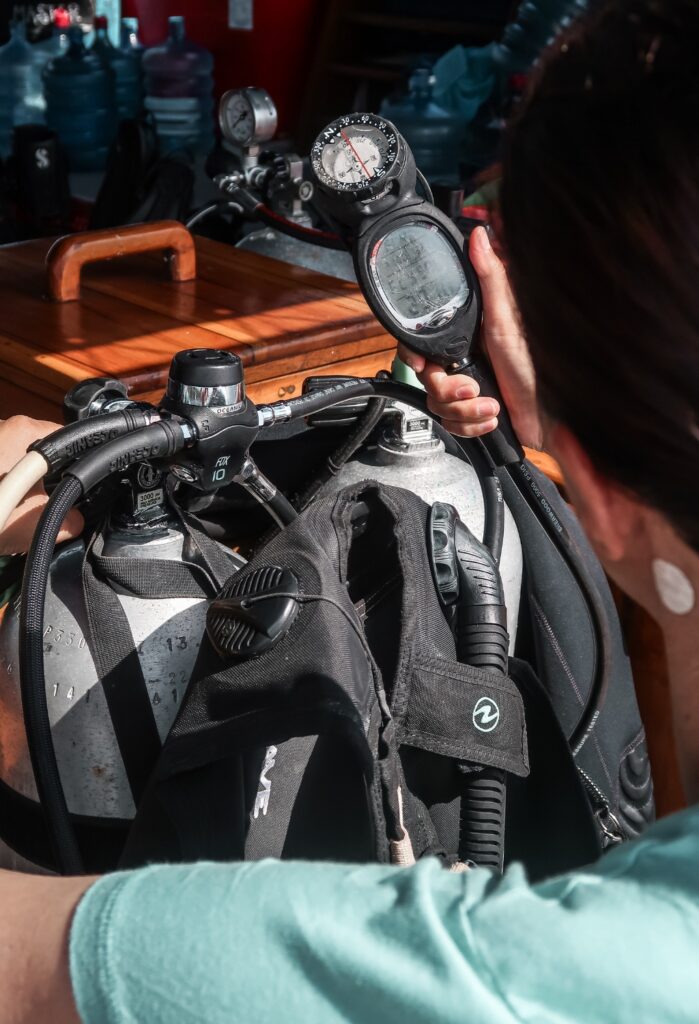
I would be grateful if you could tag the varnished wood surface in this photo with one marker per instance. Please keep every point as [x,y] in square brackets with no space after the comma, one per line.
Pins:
[131,319]
[68,255]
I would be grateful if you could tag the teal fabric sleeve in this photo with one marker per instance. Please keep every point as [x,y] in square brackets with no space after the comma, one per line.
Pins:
[286,942]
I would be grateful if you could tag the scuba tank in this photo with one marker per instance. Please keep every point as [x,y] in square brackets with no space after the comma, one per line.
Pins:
[131,602]
[409,454]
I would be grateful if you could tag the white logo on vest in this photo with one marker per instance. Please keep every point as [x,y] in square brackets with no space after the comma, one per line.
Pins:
[486,714]
[263,793]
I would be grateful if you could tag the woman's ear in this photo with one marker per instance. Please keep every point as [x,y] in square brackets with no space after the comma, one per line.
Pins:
[612,519]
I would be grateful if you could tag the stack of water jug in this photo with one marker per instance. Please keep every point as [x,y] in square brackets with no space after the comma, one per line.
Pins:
[83,93]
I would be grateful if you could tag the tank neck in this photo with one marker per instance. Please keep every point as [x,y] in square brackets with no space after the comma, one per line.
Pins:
[421,84]
[76,42]
[129,34]
[18,30]
[176,29]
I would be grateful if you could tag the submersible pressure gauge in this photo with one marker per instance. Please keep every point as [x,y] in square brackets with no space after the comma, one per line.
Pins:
[410,259]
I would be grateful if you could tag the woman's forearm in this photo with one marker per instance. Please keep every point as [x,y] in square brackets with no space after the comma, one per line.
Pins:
[35,916]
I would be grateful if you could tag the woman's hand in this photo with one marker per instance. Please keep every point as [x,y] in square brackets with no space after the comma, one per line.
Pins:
[16,434]
[455,399]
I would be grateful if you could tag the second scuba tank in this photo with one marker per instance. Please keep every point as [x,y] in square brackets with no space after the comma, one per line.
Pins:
[410,455]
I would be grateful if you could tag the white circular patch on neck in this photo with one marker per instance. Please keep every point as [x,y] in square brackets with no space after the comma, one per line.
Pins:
[673,586]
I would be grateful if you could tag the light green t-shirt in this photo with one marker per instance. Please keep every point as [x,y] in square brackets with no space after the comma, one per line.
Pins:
[278,943]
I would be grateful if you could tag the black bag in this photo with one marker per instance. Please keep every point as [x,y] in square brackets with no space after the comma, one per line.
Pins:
[331,720]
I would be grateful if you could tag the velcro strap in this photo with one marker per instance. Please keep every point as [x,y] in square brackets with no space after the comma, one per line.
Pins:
[467,714]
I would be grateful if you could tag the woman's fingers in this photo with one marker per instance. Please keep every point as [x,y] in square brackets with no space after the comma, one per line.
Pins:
[446,387]
[499,308]
[461,429]
[17,534]
[412,359]
[470,410]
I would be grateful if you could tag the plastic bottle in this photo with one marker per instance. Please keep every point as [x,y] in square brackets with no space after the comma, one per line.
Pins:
[434,134]
[179,91]
[80,103]
[21,95]
[126,68]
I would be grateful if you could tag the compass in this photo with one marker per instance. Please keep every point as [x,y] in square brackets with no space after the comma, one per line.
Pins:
[356,154]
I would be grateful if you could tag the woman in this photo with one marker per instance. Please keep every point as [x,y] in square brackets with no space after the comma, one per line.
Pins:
[600,208]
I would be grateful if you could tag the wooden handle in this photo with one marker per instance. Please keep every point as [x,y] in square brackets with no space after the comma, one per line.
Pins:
[68,255]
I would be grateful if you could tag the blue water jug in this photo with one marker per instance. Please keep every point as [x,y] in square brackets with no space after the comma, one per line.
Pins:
[56,43]
[126,68]
[21,95]
[130,40]
[434,134]
[80,104]
[179,91]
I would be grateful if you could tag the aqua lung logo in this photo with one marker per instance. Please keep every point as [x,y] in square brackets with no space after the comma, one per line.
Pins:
[486,714]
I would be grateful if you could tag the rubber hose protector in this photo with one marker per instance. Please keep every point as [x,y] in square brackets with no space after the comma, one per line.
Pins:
[69,443]
[158,441]
[33,682]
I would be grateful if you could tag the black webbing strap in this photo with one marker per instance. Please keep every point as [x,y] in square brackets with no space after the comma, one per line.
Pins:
[111,641]
[119,670]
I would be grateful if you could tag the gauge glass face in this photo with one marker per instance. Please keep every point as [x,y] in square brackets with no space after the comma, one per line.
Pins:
[355,153]
[239,119]
[419,276]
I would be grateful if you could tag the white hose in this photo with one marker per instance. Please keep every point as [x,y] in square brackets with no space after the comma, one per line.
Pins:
[19,481]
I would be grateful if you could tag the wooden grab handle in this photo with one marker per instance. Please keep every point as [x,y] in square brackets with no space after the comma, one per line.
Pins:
[68,255]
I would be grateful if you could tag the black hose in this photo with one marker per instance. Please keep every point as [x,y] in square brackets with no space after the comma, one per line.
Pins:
[472,449]
[72,441]
[325,239]
[220,206]
[352,443]
[529,489]
[493,503]
[158,441]
[277,505]
[33,682]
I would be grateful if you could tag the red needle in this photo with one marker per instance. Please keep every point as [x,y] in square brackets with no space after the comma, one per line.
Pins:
[349,143]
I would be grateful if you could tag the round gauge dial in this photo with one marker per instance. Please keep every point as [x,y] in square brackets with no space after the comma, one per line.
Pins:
[247,116]
[355,153]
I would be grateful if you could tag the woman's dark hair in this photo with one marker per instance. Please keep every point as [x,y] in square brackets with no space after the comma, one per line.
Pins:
[600,214]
